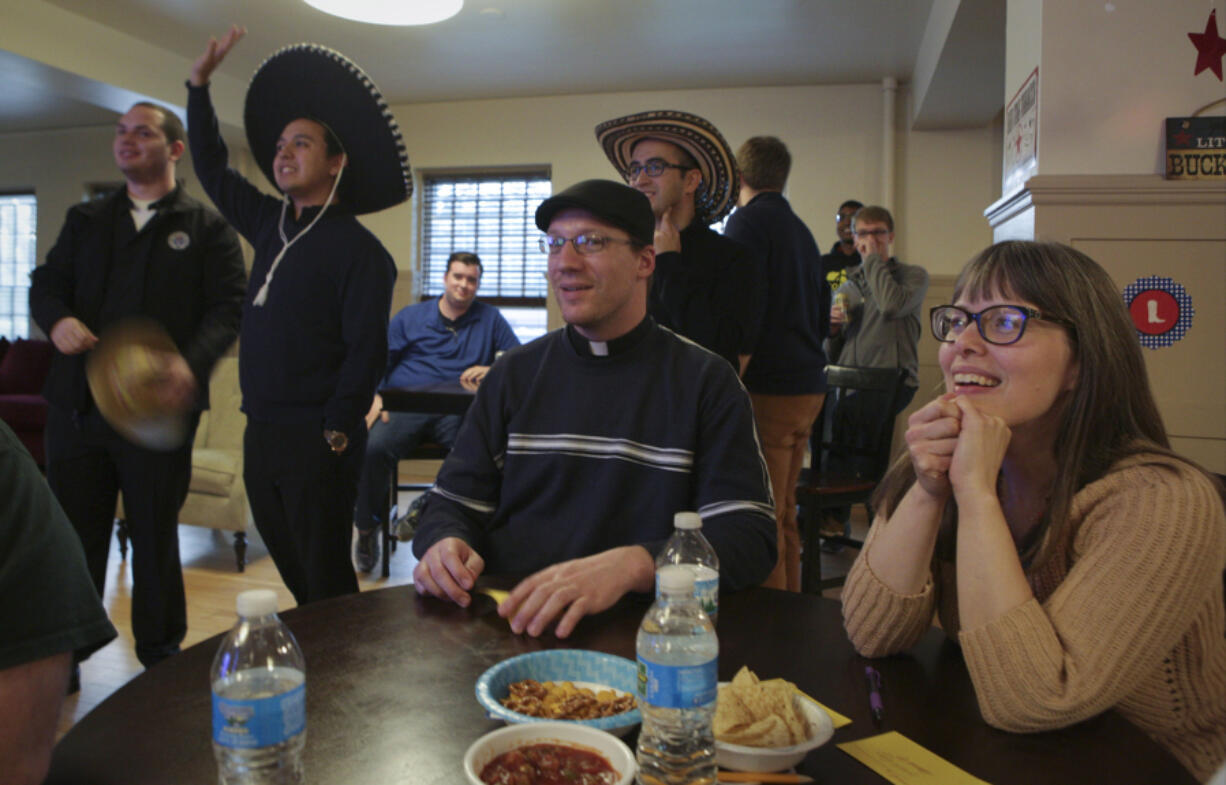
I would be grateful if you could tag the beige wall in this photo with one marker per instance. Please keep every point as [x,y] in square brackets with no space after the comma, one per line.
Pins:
[834,133]
[945,179]
[1109,74]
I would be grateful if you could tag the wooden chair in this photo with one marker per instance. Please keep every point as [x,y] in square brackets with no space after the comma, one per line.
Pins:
[859,438]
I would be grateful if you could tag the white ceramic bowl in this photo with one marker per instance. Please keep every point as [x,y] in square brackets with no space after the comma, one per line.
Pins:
[741,758]
[494,743]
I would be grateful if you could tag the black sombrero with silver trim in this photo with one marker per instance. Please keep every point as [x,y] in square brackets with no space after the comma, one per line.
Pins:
[321,84]
[721,180]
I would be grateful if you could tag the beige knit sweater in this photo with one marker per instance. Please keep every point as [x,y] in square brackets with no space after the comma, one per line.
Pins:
[1131,618]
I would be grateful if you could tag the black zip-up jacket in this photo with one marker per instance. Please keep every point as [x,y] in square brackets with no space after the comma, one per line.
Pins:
[193,281]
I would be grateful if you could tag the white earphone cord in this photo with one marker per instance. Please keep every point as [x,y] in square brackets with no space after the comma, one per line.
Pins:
[262,295]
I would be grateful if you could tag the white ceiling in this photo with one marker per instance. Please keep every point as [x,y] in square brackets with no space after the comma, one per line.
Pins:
[514,48]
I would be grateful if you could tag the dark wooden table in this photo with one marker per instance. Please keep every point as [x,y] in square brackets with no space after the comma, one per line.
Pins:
[390,680]
[438,398]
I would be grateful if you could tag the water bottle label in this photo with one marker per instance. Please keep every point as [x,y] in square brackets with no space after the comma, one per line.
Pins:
[707,593]
[678,686]
[262,722]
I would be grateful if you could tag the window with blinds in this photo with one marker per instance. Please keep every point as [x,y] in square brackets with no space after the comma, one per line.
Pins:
[18,213]
[489,214]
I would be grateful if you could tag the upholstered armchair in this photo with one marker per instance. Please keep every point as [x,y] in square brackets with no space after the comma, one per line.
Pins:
[217,498]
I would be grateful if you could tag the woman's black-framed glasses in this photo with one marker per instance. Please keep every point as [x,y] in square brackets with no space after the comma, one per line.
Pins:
[998,324]
[585,244]
[654,168]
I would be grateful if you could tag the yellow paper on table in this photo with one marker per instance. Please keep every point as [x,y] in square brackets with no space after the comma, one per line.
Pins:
[903,762]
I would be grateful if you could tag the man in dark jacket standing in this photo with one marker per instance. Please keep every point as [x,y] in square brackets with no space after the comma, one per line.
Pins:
[785,377]
[150,251]
[314,342]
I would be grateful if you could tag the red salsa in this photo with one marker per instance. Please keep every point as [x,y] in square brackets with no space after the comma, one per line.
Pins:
[548,764]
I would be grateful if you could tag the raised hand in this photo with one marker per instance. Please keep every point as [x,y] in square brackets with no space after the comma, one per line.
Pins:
[667,236]
[214,52]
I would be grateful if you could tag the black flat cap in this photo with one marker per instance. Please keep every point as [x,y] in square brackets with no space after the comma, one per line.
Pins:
[612,202]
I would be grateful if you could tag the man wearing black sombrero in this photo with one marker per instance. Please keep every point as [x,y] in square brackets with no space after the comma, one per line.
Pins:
[314,334]
[705,285]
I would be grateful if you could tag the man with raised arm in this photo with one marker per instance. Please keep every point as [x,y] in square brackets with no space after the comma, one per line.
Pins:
[314,336]
[581,445]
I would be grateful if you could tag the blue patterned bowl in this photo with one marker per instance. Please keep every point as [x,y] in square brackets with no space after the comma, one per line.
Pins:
[575,665]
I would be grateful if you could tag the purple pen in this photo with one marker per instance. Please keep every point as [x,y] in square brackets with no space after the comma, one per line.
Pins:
[874,693]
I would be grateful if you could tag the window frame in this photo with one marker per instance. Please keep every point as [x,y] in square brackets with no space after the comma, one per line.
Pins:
[429,277]
[18,289]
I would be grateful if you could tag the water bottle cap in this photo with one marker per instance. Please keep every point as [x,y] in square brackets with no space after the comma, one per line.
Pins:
[257,602]
[687,520]
[676,579]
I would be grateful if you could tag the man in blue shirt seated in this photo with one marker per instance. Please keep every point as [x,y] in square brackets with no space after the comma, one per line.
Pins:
[453,337]
[581,445]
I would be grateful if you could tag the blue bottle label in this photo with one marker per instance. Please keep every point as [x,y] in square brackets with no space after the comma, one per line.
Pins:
[678,686]
[262,722]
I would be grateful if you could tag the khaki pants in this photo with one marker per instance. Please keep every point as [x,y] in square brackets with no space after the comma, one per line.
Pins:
[784,423]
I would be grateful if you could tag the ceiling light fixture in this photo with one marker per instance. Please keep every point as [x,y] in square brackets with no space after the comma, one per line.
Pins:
[390,12]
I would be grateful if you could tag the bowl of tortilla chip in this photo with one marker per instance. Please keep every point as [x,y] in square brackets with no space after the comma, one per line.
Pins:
[766,725]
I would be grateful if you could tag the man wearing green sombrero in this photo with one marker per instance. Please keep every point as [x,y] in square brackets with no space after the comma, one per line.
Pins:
[313,344]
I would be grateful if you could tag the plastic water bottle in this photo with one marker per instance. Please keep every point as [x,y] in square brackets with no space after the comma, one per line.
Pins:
[259,698]
[678,658]
[687,547]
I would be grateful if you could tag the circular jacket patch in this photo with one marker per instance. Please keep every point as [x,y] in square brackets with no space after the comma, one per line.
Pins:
[1161,310]
[178,240]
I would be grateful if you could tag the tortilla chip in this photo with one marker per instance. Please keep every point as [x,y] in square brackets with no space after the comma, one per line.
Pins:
[767,732]
[759,713]
[782,699]
[730,711]
[744,677]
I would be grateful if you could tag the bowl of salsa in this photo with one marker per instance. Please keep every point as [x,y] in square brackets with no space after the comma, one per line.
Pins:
[549,753]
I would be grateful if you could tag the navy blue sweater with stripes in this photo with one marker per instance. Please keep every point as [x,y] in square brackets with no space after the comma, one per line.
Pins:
[564,455]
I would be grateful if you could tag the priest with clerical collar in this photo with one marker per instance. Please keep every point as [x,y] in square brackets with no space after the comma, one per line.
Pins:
[581,445]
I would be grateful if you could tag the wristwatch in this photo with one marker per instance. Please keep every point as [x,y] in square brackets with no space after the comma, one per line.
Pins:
[337,440]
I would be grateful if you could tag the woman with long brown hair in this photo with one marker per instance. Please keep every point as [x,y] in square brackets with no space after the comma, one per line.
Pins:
[1040,512]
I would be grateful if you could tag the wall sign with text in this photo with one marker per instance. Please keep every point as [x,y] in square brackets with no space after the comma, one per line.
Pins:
[1161,310]
[1021,137]
[1196,148]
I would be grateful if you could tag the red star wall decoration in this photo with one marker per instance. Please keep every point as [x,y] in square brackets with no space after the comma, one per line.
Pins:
[1210,47]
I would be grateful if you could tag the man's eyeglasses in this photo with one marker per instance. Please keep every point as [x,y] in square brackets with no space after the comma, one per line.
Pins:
[654,168]
[843,218]
[585,244]
[870,232]
[999,324]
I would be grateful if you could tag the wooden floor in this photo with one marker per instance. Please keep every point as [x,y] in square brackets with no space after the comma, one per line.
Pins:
[212,584]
